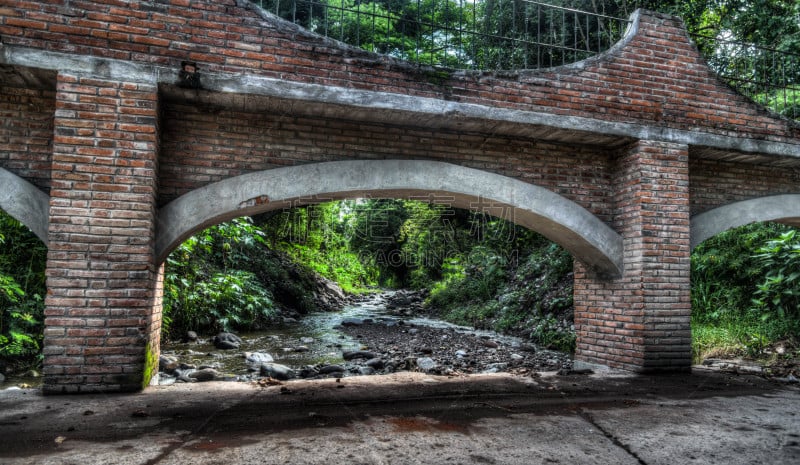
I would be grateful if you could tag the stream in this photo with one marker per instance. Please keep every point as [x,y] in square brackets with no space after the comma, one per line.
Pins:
[390,335]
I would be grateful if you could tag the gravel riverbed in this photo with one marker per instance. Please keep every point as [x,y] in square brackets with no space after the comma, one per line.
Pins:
[376,334]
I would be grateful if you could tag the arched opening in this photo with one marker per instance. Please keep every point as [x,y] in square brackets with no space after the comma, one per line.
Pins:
[25,202]
[270,196]
[272,280]
[745,276]
[23,258]
[555,217]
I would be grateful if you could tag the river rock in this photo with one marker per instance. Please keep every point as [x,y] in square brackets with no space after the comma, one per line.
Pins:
[375,363]
[461,353]
[366,371]
[190,336]
[307,340]
[328,369]
[166,380]
[354,354]
[302,349]
[227,341]
[495,368]
[168,363]
[254,360]
[352,322]
[206,374]
[426,364]
[2,378]
[277,371]
[307,372]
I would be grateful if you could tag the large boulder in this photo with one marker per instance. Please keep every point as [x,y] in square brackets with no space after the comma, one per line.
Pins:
[328,295]
[254,360]
[205,374]
[168,363]
[277,371]
[227,341]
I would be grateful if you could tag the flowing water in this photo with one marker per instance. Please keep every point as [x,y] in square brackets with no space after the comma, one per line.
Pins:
[312,340]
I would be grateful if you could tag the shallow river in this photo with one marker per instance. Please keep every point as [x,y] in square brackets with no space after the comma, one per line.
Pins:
[310,341]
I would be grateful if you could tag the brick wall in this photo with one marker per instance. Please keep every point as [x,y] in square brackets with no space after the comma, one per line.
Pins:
[657,78]
[26,134]
[100,271]
[642,320]
[717,183]
[200,147]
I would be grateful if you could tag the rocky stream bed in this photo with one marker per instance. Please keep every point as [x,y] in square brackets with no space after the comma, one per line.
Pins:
[374,334]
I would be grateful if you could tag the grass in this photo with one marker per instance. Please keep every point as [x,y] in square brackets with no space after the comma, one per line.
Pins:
[715,341]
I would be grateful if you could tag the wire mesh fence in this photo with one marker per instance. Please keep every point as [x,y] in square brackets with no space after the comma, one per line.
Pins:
[522,34]
[459,34]
[768,76]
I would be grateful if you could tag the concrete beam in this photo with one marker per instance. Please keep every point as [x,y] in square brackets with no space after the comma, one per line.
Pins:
[25,202]
[559,219]
[778,208]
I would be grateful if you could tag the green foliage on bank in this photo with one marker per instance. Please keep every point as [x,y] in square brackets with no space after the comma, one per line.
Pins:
[481,270]
[227,278]
[319,237]
[528,295]
[22,291]
[746,291]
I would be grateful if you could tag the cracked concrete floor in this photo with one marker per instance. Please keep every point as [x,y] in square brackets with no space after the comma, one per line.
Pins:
[411,418]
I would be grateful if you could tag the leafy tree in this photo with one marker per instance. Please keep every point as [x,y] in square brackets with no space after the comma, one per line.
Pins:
[778,295]
[22,290]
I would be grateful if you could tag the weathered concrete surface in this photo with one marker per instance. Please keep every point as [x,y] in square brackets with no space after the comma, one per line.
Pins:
[556,217]
[23,201]
[412,418]
[779,208]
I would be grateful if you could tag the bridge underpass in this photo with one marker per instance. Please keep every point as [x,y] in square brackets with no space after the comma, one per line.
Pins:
[622,158]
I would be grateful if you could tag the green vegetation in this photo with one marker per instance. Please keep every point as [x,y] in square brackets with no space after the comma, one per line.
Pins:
[746,291]
[514,35]
[227,278]
[530,298]
[22,291]
[482,270]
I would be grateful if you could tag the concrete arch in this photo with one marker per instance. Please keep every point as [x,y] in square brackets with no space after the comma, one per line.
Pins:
[559,219]
[779,208]
[25,202]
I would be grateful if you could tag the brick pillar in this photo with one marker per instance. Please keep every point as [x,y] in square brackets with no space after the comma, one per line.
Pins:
[101,276]
[641,322]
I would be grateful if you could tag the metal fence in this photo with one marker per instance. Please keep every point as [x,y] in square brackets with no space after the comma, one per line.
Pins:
[768,76]
[522,34]
[459,34]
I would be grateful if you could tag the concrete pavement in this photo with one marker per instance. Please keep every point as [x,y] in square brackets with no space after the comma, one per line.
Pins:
[412,418]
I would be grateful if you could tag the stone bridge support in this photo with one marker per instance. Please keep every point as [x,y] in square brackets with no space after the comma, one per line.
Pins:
[641,322]
[102,279]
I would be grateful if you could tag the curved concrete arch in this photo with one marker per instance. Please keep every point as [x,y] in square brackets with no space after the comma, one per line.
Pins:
[779,208]
[539,209]
[25,202]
